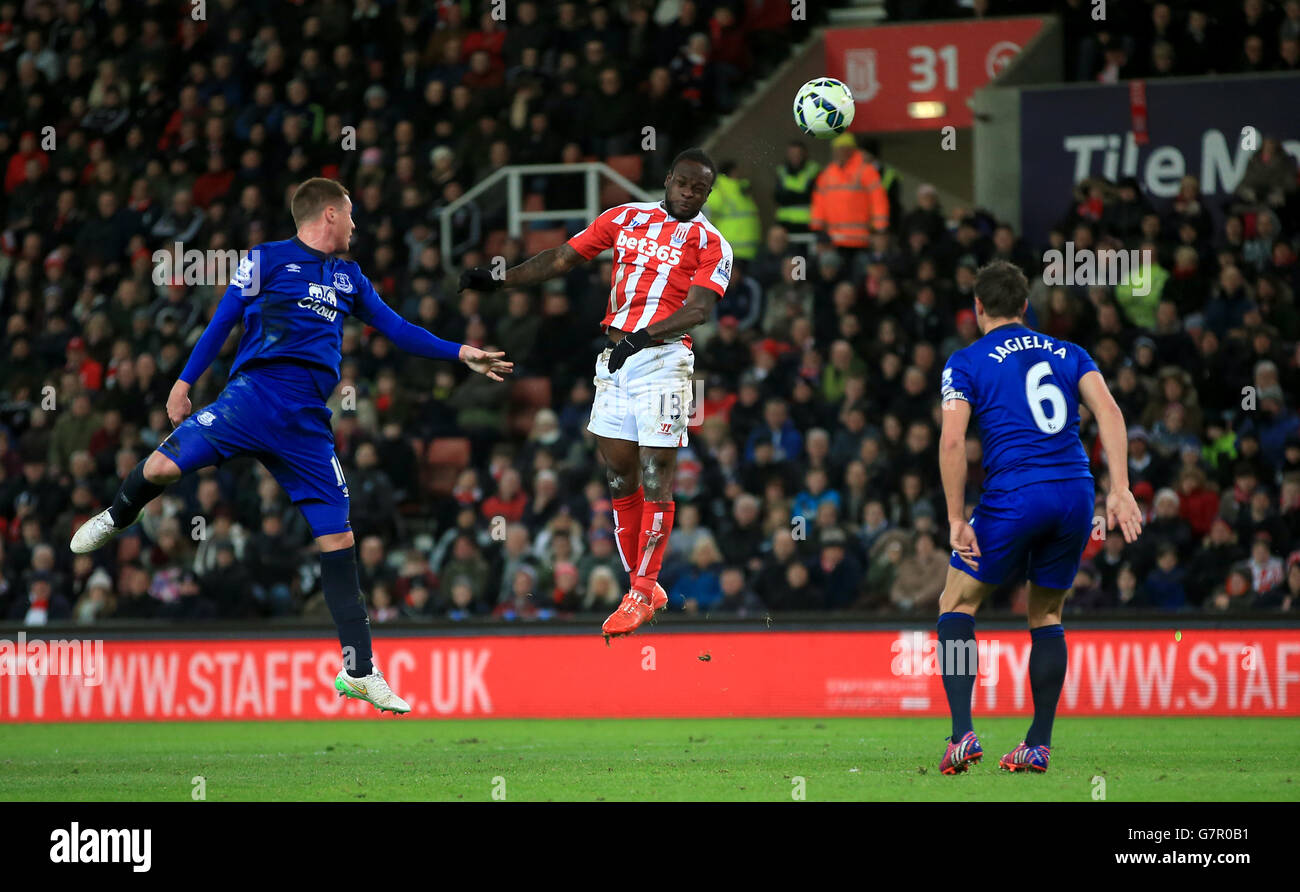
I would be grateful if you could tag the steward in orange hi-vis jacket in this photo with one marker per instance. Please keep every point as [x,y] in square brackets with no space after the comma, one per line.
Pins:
[849,202]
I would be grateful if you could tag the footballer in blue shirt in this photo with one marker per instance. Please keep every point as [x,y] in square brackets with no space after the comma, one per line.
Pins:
[293,297]
[1034,517]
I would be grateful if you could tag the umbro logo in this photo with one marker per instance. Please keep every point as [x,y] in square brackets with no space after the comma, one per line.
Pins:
[293,267]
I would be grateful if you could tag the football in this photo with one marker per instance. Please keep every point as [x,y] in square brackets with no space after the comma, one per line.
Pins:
[823,108]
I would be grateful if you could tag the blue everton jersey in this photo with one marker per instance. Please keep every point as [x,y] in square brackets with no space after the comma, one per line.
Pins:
[297,312]
[1023,390]
[293,301]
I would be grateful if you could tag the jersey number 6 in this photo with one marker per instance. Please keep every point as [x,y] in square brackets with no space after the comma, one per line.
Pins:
[1038,392]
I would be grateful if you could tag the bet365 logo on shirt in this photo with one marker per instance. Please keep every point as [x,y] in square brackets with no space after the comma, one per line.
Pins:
[648,247]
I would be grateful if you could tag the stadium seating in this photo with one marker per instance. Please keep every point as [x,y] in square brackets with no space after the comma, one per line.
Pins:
[444,459]
[538,240]
[630,166]
[527,395]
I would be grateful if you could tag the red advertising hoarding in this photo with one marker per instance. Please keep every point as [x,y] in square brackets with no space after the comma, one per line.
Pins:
[1234,672]
[890,67]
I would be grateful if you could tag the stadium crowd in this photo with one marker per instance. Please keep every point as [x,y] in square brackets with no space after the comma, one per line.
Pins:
[1119,40]
[811,478]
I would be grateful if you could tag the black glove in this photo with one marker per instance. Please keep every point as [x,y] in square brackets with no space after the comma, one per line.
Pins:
[479,278]
[631,343]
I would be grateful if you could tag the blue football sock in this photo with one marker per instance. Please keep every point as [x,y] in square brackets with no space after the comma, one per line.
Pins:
[1047,662]
[959,662]
[342,588]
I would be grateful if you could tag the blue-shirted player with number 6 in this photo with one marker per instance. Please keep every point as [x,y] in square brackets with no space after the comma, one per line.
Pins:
[1036,512]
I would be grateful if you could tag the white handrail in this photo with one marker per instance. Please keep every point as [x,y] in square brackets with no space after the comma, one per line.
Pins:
[517,216]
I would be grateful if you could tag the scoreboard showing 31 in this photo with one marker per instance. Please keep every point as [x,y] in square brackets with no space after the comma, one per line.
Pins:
[919,77]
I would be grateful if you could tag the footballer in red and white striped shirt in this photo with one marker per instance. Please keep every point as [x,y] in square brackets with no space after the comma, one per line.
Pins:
[671,266]
[657,259]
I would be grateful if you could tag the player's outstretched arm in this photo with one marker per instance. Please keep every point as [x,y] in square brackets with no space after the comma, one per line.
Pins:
[370,308]
[538,268]
[952,468]
[1121,508]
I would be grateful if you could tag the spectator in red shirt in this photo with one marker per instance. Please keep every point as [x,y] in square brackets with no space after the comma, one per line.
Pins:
[717,402]
[109,437]
[565,596]
[80,362]
[1198,504]
[214,183]
[510,501]
[28,150]
[730,46]
[490,36]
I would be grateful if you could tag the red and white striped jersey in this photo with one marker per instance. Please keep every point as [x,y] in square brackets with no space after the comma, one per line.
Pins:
[657,258]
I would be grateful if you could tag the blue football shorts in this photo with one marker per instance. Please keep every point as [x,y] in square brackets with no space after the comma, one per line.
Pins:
[1037,532]
[291,437]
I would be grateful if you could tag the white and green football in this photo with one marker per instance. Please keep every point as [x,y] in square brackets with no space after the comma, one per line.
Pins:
[823,108]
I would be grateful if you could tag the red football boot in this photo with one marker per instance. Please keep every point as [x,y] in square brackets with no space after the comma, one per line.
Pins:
[634,611]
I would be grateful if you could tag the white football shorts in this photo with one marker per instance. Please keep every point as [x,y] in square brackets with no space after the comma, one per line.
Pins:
[648,400]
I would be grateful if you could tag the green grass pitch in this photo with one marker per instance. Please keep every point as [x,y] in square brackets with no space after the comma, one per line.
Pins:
[848,759]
